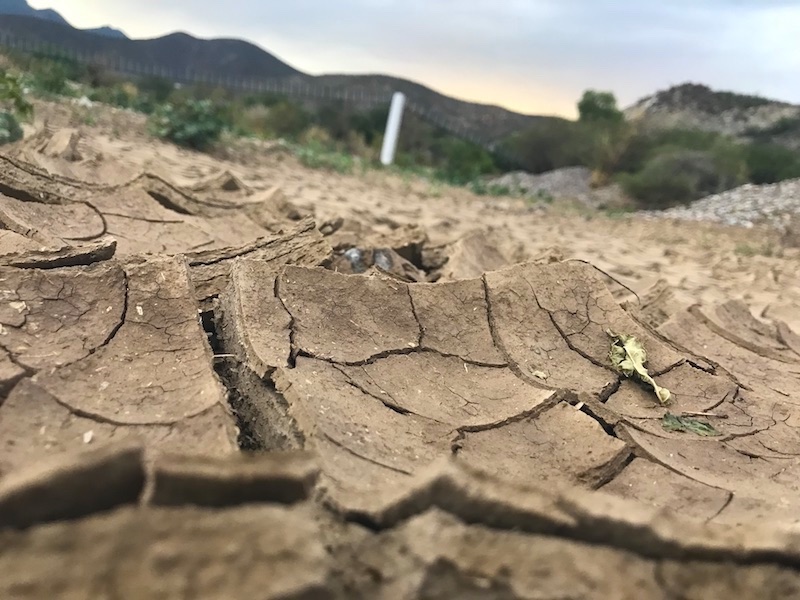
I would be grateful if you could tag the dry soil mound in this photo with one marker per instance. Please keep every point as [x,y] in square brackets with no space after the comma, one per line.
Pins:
[424,419]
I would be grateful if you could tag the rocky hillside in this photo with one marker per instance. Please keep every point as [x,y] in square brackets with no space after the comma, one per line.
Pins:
[695,106]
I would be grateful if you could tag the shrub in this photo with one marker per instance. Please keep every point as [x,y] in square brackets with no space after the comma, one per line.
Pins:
[317,156]
[195,124]
[157,89]
[677,177]
[286,120]
[463,162]
[547,145]
[770,163]
[645,144]
[12,95]
[51,77]
[12,98]
[371,124]
[10,130]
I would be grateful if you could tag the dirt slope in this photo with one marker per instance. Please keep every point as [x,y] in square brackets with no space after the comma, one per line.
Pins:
[258,380]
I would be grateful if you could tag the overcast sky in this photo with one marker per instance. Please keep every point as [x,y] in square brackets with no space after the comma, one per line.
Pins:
[534,56]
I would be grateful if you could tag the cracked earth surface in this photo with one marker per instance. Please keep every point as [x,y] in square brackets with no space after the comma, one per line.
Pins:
[234,377]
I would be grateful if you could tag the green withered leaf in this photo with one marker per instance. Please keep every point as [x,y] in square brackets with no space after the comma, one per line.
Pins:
[672,422]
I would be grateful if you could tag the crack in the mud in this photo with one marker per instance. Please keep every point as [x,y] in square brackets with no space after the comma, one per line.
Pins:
[105,342]
[566,337]
[416,317]
[724,506]
[7,386]
[99,418]
[571,346]
[115,330]
[294,351]
[144,219]
[615,470]
[378,463]
[371,360]
[196,258]
[605,425]
[100,216]
[261,412]
[389,403]
[512,365]
[532,413]
[166,203]
[668,369]
[711,370]
[609,390]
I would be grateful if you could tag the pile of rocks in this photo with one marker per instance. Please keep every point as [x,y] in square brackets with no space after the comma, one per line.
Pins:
[745,206]
[569,182]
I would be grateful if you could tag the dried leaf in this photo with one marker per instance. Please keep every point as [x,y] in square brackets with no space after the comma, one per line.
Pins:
[672,422]
[628,356]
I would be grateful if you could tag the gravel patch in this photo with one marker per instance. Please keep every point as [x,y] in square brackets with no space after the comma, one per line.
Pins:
[746,206]
[570,182]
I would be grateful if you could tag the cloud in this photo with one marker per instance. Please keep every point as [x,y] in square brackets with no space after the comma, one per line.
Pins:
[530,55]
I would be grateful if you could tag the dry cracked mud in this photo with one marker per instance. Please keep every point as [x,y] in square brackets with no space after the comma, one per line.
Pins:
[254,380]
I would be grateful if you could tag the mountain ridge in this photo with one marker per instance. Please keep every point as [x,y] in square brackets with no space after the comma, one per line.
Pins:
[185,55]
[23,9]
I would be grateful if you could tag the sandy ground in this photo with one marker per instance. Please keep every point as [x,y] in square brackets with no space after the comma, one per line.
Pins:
[262,380]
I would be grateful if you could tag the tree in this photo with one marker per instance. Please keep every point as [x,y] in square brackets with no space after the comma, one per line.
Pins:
[599,107]
[607,131]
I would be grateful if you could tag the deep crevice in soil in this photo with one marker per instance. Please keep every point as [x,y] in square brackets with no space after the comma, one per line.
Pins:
[167,203]
[607,427]
[18,194]
[261,412]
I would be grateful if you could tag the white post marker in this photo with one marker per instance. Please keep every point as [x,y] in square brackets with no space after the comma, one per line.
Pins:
[392,128]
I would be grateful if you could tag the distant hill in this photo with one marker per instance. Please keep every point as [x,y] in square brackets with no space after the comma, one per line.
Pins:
[695,106]
[177,52]
[21,8]
[182,53]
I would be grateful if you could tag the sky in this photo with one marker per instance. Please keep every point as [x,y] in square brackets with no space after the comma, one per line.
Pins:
[531,56]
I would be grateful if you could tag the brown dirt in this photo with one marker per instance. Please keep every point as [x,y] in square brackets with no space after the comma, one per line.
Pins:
[263,381]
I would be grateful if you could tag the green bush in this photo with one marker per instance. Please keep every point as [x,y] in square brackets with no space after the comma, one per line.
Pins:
[157,89]
[547,145]
[51,77]
[462,162]
[770,163]
[287,120]
[645,144]
[12,95]
[195,124]
[10,130]
[678,177]
[479,187]
[13,105]
[371,124]
[316,155]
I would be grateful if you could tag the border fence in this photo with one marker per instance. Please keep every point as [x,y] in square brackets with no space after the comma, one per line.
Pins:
[300,87]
